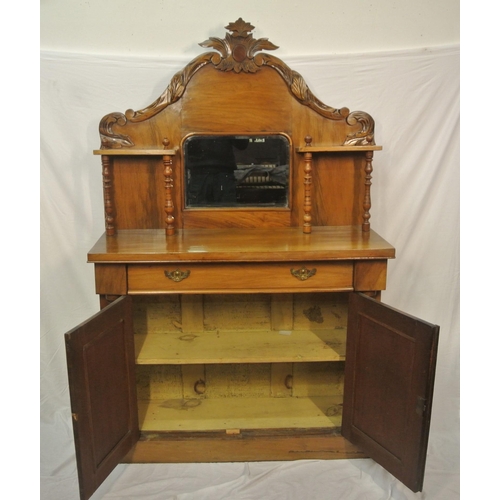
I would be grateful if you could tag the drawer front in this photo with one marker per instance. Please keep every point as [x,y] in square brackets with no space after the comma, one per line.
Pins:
[243,278]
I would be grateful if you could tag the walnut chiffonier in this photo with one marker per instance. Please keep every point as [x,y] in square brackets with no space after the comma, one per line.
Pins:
[240,283]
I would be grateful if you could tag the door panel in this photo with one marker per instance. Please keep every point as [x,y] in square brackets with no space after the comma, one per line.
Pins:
[100,355]
[390,366]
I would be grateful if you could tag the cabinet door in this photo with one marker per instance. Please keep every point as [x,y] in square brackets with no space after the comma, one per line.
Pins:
[100,355]
[389,379]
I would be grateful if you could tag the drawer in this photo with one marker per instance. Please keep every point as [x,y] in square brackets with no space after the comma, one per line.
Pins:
[242,278]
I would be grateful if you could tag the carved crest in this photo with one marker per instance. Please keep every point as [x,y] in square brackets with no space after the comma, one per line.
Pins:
[238,48]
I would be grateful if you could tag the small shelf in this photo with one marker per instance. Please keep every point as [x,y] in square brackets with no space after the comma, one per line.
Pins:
[240,347]
[336,149]
[240,413]
[135,152]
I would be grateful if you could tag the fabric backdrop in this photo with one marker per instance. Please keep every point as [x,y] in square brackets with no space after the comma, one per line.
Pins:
[414,99]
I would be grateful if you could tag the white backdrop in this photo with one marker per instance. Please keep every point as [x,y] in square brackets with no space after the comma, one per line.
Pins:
[414,99]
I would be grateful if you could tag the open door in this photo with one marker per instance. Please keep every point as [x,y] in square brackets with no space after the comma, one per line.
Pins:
[389,379]
[100,355]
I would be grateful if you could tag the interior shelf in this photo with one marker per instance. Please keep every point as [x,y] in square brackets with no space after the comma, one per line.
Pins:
[226,414]
[240,346]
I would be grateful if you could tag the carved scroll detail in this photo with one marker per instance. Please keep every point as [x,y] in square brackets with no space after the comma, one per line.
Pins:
[365,136]
[110,139]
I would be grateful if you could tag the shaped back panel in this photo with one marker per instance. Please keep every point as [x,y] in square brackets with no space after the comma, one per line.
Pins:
[237,91]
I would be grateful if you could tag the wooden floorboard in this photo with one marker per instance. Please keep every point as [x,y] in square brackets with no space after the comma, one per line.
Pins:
[240,448]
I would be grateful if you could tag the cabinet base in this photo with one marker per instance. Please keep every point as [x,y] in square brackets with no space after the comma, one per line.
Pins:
[241,448]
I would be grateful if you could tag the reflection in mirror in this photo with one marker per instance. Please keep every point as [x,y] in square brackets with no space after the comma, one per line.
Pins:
[236,171]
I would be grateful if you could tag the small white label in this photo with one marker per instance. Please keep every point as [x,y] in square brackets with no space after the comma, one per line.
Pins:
[285,332]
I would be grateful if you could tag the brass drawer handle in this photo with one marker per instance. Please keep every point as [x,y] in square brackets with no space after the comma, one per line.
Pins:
[177,275]
[303,273]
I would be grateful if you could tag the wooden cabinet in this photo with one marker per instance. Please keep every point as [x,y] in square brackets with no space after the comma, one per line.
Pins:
[240,283]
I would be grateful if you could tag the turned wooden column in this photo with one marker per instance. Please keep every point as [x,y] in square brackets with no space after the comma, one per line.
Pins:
[169,184]
[367,202]
[107,182]
[307,187]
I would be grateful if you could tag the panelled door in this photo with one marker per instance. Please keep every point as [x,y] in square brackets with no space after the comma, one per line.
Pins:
[389,379]
[100,355]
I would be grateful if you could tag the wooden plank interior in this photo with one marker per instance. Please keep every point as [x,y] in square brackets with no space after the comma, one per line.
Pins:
[192,313]
[157,314]
[281,380]
[193,381]
[240,379]
[227,312]
[282,311]
[318,379]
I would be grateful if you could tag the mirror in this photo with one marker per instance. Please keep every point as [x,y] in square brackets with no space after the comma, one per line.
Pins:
[236,171]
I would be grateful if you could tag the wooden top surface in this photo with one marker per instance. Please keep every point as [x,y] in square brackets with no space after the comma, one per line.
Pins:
[241,245]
